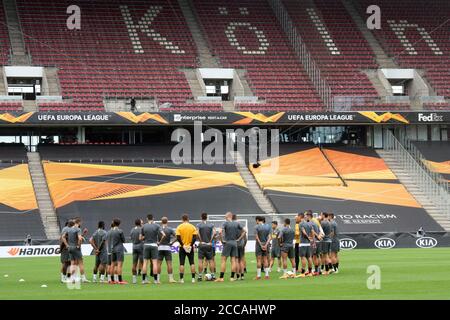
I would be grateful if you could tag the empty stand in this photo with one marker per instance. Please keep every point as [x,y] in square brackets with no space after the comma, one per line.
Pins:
[337,45]
[16,226]
[11,106]
[19,215]
[129,191]
[4,37]
[12,153]
[372,200]
[123,49]
[437,156]
[106,153]
[437,106]
[246,35]
[297,165]
[416,33]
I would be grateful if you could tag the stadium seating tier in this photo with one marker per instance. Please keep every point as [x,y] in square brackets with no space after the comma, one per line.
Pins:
[246,35]
[415,33]
[103,59]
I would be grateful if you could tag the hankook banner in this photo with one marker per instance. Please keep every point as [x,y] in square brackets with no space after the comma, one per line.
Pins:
[221,118]
[52,250]
[351,241]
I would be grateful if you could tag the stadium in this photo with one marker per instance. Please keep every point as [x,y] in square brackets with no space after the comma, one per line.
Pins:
[290,114]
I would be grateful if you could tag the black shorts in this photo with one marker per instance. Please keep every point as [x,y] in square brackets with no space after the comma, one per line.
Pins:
[138,255]
[305,251]
[150,252]
[184,254]
[230,250]
[326,247]
[260,252]
[101,258]
[275,252]
[65,255]
[75,254]
[289,251]
[335,246]
[205,251]
[109,259]
[316,249]
[165,254]
[240,252]
[117,256]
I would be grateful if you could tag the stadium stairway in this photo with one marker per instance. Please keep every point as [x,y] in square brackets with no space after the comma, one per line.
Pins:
[205,57]
[382,58]
[19,56]
[45,203]
[51,84]
[405,178]
[261,199]
[29,106]
[2,82]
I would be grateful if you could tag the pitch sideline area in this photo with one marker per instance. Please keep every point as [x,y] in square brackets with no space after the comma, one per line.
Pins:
[405,274]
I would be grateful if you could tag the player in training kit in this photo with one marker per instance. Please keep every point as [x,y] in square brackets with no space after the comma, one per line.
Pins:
[297,241]
[83,233]
[186,235]
[275,252]
[165,249]
[232,233]
[317,243]
[109,266]
[326,242]
[73,239]
[286,241]
[65,259]
[149,234]
[117,251]
[306,237]
[262,246]
[241,244]
[98,243]
[206,232]
[138,249]
[216,239]
[335,244]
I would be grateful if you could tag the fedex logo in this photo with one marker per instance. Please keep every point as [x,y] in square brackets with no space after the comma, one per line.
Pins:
[432,117]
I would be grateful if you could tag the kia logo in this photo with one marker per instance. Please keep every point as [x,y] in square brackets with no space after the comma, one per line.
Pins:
[348,244]
[426,242]
[385,243]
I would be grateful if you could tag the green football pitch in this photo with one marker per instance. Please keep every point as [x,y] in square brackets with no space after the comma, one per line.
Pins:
[405,274]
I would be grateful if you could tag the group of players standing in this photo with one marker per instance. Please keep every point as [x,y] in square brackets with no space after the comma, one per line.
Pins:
[314,240]
[312,246]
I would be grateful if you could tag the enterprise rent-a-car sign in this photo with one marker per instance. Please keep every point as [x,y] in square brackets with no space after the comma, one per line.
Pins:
[222,118]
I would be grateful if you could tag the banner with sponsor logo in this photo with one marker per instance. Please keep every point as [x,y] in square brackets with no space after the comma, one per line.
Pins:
[387,241]
[12,251]
[221,118]
[350,241]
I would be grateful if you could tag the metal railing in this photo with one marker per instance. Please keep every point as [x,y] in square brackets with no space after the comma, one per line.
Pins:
[302,52]
[421,160]
[430,183]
